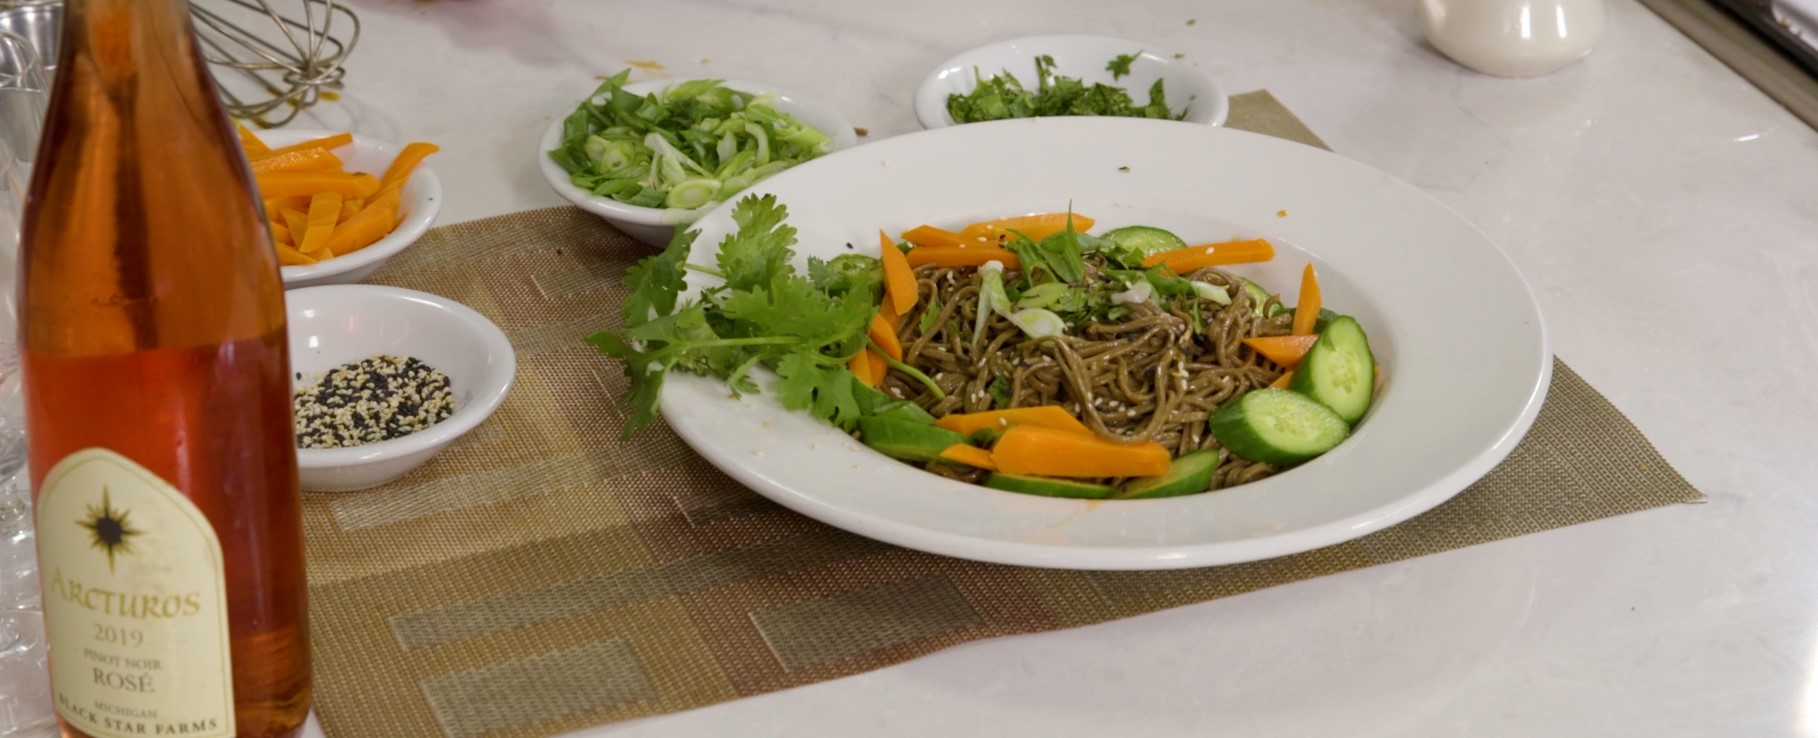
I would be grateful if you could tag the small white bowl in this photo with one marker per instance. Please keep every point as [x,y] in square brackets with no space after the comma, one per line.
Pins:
[1082,57]
[336,324]
[422,199]
[655,226]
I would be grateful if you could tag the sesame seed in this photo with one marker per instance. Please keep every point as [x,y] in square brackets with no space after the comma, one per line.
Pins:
[370,400]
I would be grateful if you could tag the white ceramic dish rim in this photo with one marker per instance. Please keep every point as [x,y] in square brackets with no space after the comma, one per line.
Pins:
[423,189]
[803,108]
[931,94]
[486,398]
[698,410]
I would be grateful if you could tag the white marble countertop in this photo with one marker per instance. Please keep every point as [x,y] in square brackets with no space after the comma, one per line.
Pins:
[1664,210]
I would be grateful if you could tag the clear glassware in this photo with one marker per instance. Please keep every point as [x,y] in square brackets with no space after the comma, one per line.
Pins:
[25,705]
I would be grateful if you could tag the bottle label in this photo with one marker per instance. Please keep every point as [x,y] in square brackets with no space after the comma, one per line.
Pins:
[135,599]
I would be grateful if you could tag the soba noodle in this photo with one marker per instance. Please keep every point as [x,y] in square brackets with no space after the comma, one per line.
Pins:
[1148,376]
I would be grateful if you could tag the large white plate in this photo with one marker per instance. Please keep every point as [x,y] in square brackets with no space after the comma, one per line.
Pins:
[1461,340]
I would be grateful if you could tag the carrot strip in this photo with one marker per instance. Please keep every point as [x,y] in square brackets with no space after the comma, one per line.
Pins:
[1306,312]
[280,233]
[324,209]
[970,456]
[1032,449]
[1046,416]
[1281,382]
[307,160]
[281,184]
[249,142]
[372,223]
[880,368]
[407,161]
[288,256]
[326,142]
[860,366]
[954,256]
[899,277]
[883,333]
[350,206]
[1286,351]
[1037,227]
[927,235]
[296,221]
[1193,258]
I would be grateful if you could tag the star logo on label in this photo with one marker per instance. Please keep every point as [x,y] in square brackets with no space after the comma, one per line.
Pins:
[109,529]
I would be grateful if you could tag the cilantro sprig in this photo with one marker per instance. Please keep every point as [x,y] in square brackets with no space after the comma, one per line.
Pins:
[1004,96]
[764,312]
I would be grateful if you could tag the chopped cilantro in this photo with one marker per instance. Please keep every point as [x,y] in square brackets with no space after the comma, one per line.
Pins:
[1004,96]
[1119,67]
[765,313]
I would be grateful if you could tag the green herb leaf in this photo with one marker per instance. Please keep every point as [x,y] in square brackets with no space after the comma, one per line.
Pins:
[824,391]
[1003,96]
[758,252]
[656,280]
[1119,67]
[999,389]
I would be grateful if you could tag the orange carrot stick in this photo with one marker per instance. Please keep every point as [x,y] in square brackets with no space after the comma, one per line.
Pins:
[1032,449]
[860,366]
[883,333]
[307,160]
[281,184]
[249,142]
[326,142]
[1281,382]
[927,235]
[288,256]
[1286,351]
[955,256]
[407,161]
[970,456]
[1192,258]
[1306,312]
[899,277]
[1046,416]
[372,223]
[1037,227]
[324,210]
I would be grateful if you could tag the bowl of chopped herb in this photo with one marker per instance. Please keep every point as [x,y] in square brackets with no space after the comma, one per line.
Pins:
[650,156]
[385,378]
[1039,76]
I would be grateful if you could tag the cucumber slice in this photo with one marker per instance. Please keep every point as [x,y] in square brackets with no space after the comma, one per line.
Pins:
[1146,239]
[906,440]
[1189,474]
[1259,296]
[1339,371]
[1277,426]
[1048,486]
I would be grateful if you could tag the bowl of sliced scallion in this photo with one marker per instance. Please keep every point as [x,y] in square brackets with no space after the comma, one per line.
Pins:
[1071,75]
[649,156]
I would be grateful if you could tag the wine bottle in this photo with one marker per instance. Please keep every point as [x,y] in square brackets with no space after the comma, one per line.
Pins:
[156,367]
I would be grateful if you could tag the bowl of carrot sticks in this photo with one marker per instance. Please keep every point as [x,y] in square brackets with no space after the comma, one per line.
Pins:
[340,205]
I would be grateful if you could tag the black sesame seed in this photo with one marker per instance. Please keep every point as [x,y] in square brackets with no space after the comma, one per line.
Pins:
[374,399]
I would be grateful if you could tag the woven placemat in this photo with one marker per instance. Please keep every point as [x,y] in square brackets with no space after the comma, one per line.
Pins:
[543,575]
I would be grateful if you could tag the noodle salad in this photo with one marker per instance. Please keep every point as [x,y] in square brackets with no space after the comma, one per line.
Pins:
[1023,354]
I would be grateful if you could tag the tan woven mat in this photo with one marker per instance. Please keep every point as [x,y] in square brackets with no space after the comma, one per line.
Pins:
[543,576]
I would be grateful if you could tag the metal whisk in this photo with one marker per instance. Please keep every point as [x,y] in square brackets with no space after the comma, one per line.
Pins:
[270,65]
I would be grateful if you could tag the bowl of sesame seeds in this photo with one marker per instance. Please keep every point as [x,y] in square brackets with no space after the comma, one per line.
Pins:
[385,378]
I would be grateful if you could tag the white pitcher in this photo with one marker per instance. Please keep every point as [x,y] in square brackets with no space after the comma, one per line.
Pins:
[1513,38]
